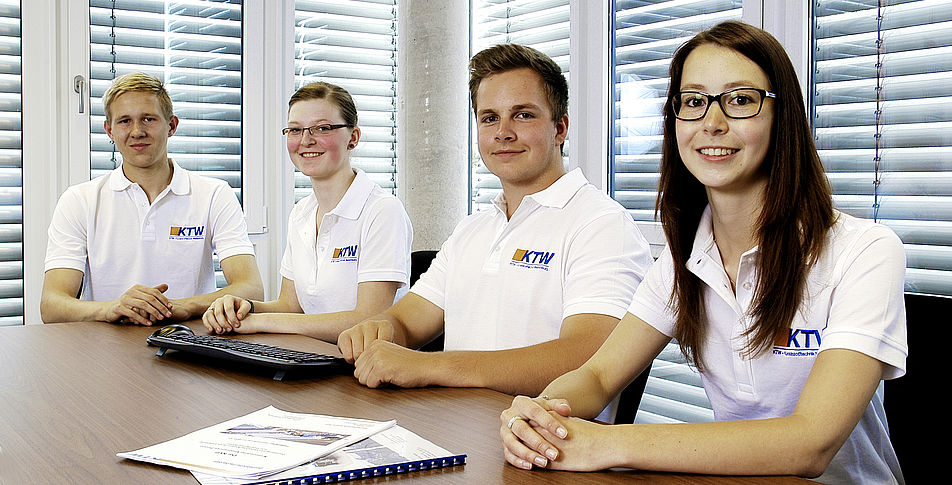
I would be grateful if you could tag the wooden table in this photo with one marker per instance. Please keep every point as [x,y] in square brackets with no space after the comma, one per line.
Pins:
[73,395]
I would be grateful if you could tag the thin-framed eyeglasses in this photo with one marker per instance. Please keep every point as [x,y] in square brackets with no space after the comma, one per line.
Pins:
[316,130]
[737,103]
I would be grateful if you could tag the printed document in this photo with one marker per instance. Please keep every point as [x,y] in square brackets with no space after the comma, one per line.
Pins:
[393,446]
[259,444]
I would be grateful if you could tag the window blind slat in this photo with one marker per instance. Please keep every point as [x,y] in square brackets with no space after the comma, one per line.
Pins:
[882,116]
[11,167]
[353,44]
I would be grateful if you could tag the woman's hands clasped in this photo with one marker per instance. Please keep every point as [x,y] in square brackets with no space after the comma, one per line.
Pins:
[525,426]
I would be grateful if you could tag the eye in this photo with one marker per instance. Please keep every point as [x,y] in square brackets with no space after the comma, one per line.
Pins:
[523,115]
[741,99]
[321,129]
[295,131]
[744,97]
[693,100]
[489,119]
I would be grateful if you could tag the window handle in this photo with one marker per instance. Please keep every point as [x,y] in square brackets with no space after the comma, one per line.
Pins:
[79,83]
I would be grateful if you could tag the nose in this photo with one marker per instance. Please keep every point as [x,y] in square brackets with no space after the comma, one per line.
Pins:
[137,129]
[307,138]
[715,121]
[504,131]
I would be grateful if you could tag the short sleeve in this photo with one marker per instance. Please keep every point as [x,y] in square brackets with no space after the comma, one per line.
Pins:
[605,262]
[432,283]
[867,312]
[385,243]
[67,234]
[287,266]
[229,229]
[652,298]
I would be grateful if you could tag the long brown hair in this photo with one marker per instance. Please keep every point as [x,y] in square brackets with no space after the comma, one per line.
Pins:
[797,207]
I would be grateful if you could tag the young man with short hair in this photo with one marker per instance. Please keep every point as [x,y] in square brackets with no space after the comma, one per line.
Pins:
[536,284]
[136,244]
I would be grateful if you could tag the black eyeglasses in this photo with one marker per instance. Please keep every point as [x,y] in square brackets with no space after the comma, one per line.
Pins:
[737,103]
[316,130]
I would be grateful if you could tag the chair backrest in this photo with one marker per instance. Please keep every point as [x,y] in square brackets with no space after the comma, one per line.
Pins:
[419,263]
[630,398]
[913,405]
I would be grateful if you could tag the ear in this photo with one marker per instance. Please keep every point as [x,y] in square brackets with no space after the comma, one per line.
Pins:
[173,125]
[106,126]
[561,129]
[354,138]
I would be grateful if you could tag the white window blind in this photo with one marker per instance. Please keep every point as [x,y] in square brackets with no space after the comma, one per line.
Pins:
[11,168]
[541,24]
[194,47]
[882,100]
[353,44]
[646,34]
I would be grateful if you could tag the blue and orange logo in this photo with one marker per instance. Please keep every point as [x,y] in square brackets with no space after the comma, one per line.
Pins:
[346,253]
[185,233]
[800,342]
[528,258]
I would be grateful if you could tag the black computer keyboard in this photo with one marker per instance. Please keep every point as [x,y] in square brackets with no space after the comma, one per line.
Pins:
[180,337]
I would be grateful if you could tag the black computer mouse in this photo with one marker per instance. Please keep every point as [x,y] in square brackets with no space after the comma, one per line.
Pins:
[175,328]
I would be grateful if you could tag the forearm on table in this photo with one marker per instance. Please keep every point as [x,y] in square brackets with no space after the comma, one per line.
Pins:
[323,326]
[525,370]
[779,446]
[62,308]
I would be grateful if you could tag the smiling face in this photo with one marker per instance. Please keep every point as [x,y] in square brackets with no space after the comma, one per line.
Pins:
[320,156]
[724,154]
[517,138]
[139,129]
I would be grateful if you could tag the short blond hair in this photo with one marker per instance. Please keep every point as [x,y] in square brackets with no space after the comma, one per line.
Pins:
[137,81]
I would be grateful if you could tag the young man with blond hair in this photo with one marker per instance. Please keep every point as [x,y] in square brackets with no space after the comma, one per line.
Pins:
[136,245]
[536,283]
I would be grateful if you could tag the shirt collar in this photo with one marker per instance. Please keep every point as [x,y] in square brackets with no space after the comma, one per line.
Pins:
[556,195]
[351,205]
[179,185]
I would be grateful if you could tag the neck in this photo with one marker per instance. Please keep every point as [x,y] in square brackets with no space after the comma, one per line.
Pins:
[514,192]
[734,219]
[153,179]
[329,191]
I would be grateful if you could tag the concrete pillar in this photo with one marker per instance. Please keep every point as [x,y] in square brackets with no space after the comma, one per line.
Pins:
[433,116]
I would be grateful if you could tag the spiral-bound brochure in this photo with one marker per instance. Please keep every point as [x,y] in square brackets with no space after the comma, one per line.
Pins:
[392,451]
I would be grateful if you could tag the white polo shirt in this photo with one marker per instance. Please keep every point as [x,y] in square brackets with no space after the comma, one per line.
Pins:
[107,229]
[854,301]
[367,237]
[502,284]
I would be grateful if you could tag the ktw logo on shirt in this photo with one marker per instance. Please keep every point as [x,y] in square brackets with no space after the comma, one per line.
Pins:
[528,258]
[346,253]
[186,233]
[801,342]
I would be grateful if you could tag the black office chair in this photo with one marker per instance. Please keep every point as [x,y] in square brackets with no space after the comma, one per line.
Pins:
[912,404]
[419,263]
[630,398]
